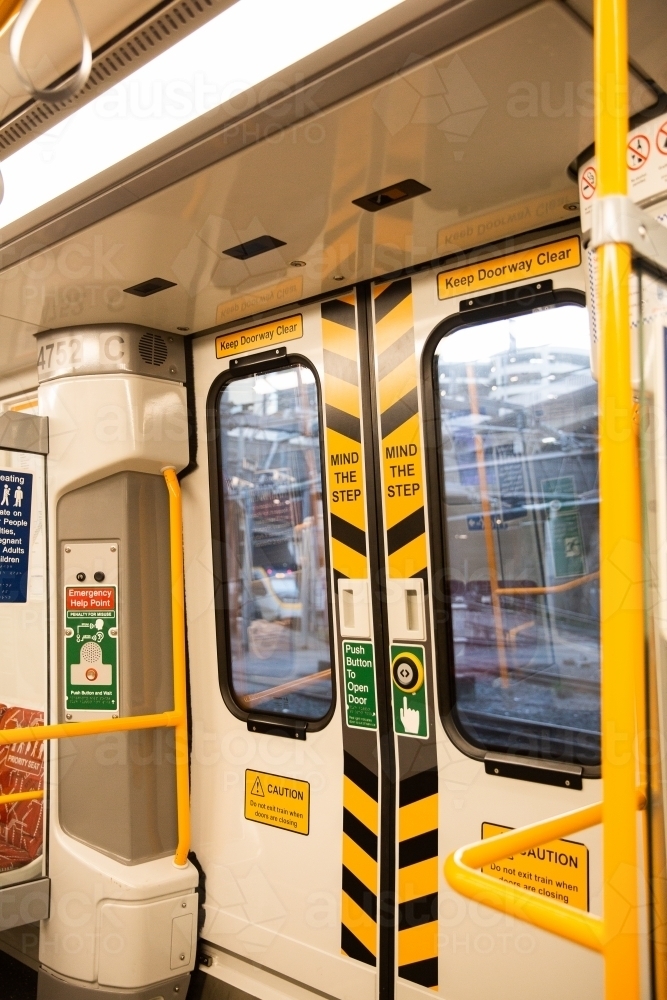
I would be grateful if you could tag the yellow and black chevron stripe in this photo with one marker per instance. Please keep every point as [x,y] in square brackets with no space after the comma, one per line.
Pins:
[399,430]
[349,556]
[360,861]
[403,498]
[418,878]
[345,471]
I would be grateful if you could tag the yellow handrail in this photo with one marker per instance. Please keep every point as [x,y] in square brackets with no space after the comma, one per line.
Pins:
[176,718]
[554,588]
[6,800]
[558,918]
[621,613]
[180,683]
[621,570]
[550,915]
[8,12]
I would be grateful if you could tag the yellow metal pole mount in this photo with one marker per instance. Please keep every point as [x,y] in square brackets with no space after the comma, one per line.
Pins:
[622,632]
[180,685]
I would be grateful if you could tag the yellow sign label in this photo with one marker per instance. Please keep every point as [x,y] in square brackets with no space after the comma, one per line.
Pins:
[558,870]
[259,300]
[267,335]
[517,266]
[277,801]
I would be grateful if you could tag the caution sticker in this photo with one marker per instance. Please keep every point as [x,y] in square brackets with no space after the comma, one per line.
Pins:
[557,870]
[520,266]
[267,335]
[277,801]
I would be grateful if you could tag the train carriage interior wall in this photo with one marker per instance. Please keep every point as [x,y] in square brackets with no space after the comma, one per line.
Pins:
[333,500]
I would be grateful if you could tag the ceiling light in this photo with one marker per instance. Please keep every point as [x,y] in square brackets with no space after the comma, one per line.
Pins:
[150,287]
[392,195]
[297,263]
[253,248]
[259,38]
[339,277]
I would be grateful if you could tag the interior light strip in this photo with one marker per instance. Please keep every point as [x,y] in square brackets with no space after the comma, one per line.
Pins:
[227,57]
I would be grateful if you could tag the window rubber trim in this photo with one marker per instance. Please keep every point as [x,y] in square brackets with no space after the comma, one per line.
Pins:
[220,581]
[444,659]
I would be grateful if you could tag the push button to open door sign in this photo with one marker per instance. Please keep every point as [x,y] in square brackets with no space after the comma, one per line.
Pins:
[409,689]
[91,649]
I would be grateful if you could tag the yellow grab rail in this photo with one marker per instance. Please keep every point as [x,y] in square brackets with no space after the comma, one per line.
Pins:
[176,718]
[621,588]
[8,12]
[621,569]
[558,918]
[180,682]
[550,915]
[6,800]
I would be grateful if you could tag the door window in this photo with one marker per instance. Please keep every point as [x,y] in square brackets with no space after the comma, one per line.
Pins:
[277,604]
[518,454]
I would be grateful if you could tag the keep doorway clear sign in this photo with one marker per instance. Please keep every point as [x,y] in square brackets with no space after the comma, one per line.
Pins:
[360,702]
[15,505]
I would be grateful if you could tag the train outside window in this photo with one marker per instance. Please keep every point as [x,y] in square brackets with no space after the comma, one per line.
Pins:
[276,579]
[519,460]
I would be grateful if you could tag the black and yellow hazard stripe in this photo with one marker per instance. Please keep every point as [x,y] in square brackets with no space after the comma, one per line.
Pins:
[349,557]
[345,473]
[399,430]
[403,501]
[418,878]
[360,861]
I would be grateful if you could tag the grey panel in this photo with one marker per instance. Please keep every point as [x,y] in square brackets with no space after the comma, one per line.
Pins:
[205,987]
[24,903]
[50,987]
[110,347]
[22,943]
[117,792]
[24,432]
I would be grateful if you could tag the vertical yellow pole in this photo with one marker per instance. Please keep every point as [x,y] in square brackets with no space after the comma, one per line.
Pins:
[488,535]
[180,691]
[622,637]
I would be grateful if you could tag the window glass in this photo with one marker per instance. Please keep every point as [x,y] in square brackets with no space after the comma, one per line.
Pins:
[518,423]
[277,606]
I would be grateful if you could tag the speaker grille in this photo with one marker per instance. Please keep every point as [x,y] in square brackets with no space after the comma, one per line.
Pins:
[152,349]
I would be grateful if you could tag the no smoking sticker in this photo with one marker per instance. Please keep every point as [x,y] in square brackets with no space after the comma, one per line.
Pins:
[661,139]
[639,148]
[589,182]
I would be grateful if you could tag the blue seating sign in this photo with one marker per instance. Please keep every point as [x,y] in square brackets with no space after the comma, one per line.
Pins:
[15,506]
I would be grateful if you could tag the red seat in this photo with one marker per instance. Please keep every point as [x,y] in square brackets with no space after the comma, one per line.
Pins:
[21,770]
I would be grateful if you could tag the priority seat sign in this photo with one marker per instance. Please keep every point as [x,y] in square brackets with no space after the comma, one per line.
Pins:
[15,507]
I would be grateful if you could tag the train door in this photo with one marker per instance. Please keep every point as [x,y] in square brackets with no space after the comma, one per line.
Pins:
[487,412]
[287,756]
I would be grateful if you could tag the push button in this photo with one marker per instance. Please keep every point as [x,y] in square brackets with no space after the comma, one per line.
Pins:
[408,672]
[99,576]
[81,577]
